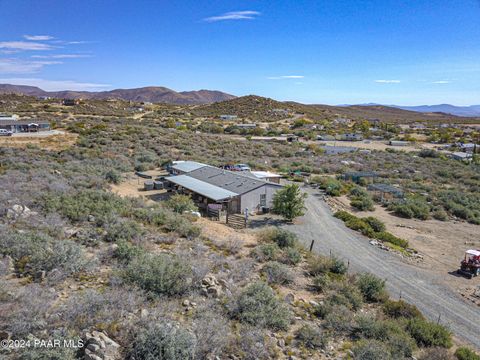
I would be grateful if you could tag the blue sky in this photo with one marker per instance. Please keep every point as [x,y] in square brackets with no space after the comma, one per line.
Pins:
[406,52]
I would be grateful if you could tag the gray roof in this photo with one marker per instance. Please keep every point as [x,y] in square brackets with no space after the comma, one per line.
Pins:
[187,166]
[234,181]
[201,187]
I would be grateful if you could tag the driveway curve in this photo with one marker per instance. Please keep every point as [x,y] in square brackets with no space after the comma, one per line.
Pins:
[421,287]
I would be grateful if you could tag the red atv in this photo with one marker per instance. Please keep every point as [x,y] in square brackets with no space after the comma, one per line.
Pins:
[470,265]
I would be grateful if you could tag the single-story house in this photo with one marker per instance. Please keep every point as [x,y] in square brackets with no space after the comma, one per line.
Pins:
[70,102]
[20,126]
[398,143]
[246,126]
[326,137]
[351,137]
[228,117]
[465,156]
[234,191]
[334,150]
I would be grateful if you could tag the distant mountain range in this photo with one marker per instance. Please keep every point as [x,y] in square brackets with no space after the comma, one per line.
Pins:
[154,94]
[473,110]
[466,111]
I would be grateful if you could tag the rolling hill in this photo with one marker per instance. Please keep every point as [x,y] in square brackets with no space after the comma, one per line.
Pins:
[256,108]
[154,94]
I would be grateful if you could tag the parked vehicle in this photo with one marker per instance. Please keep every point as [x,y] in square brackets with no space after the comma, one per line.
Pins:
[470,265]
[4,132]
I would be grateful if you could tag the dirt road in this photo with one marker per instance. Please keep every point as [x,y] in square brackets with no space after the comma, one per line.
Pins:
[421,287]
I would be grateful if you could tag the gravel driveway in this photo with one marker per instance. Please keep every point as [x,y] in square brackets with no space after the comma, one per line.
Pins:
[417,286]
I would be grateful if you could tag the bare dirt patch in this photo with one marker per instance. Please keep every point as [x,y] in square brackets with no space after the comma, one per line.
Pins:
[54,142]
[133,186]
[442,243]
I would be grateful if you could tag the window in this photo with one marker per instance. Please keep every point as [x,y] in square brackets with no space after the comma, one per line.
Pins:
[263,200]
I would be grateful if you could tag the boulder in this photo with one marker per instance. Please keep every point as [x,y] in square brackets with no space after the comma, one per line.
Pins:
[98,346]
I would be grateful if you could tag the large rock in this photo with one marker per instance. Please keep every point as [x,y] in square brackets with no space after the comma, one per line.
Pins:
[99,346]
[211,287]
[17,211]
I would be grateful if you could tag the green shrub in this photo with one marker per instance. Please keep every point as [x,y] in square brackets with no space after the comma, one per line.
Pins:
[277,273]
[339,318]
[311,337]
[125,251]
[411,208]
[82,205]
[321,282]
[358,224]
[338,266]
[401,309]
[464,353]
[163,341]
[257,305]
[181,203]
[285,238]
[363,203]
[440,214]
[291,256]
[427,333]
[321,264]
[159,274]
[372,287]
[35,252]
[370,350]
[123,230]
[113,177]
[267,252]
[392,239]
[376,224]
[344,215]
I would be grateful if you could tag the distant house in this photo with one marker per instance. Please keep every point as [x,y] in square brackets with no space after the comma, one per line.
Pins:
[15,125]
[468,147]
[351,137]
[70,102]
[235,192]
[463,156]
[334,150]
[398,143]
[326,137]
[290,137]
[246,126]
[228,117]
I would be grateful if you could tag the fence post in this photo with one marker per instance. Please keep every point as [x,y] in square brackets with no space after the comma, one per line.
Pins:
[311,245]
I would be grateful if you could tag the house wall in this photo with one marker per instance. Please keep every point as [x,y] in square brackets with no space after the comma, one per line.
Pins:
[251,200]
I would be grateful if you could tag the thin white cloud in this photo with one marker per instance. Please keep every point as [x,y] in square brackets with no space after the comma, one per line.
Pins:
[441,82]
[285,77]
[19,66]
[24,45]
[38,37]
[61,56]
[388,81]
[234,15]
[56,85]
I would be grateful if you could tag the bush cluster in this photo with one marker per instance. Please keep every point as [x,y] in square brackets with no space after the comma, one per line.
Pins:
[159,274]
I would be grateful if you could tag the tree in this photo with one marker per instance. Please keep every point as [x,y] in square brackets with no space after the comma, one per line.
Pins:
[180,203]
[289,202]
